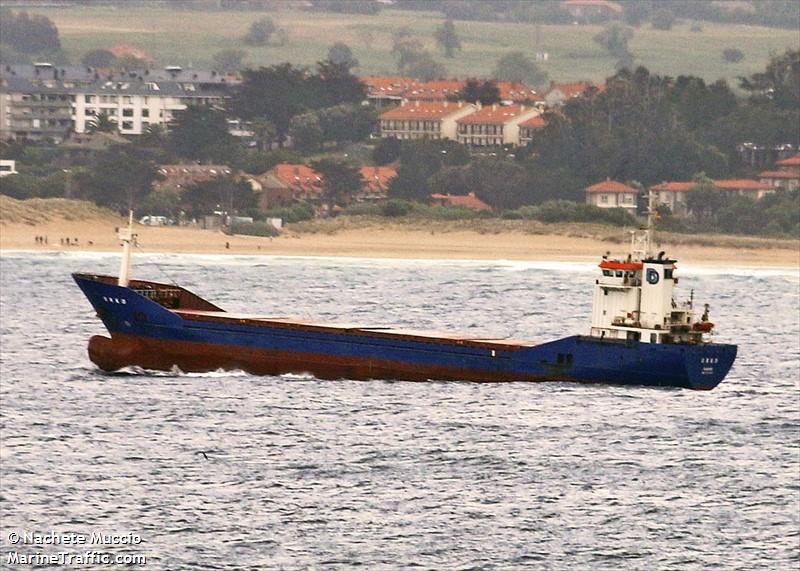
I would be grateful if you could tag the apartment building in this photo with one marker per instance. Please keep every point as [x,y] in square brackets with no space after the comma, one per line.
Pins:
[786,176]
[384,90]
[424,119]
[674,194]
[494,125]
[529,129]
[44,101]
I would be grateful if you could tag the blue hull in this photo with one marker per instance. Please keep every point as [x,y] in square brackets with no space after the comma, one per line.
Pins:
[145,333]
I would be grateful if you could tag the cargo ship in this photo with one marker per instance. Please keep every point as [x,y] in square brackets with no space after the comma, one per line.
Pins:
[639,335]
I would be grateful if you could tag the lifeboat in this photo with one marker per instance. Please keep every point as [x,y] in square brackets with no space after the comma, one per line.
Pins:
[703,326]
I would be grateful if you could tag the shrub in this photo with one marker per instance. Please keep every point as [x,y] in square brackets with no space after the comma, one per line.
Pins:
[254,229]
[567,211]
[732,55]
[396,208]
[662,20]
[364,209]
[290,214]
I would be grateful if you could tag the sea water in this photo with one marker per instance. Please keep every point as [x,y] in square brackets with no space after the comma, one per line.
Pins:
[232,471]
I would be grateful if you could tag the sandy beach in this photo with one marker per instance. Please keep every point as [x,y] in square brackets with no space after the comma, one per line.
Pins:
[392,241]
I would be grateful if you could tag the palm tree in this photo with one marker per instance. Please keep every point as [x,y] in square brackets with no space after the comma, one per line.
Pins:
[101,123]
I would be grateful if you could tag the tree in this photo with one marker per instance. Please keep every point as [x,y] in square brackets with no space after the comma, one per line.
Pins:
[614,38]
[227,194]
[264,132]
[447,38]
[662,20]
[425,68]
[333,84]
[260,32]
[406,48]
[515,66]
[419,160]
[29,33]
[306,132]
[229,60]
[129,61]
[704,199]
[275,93]
[99,58]
[779,83]
[386,151]
[101,123]
[199,133]
[119,178]
[347,122]
[340,181]
[483,92]
[341,54]
[732,55]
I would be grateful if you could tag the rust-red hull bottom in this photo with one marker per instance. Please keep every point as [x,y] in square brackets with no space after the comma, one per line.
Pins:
[128,350]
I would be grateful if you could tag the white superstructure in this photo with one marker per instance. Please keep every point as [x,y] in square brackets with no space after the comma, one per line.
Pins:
[633,299]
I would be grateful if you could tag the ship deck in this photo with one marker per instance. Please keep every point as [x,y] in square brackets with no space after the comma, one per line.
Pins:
[359,329]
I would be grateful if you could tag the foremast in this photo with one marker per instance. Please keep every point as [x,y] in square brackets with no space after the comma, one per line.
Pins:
[633,300]
[128,238]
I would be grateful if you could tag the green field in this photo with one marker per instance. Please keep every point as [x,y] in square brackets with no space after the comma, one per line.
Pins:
[191,38]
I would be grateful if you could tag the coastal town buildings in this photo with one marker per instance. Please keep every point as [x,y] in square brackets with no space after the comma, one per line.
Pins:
[44,101]
[287,183]
[612,194]
[460,201]
[391,90]
[529,129]
[674,194]
[424,119]
[494,125]
[786,175]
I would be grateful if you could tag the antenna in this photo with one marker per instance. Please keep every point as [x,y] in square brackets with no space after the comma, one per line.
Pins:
[127,236]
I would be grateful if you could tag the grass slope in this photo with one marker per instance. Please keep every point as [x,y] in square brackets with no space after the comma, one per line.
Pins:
[191,38]
[40,210]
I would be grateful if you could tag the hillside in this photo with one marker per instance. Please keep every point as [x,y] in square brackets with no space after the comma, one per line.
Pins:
[164,33]
[37,211]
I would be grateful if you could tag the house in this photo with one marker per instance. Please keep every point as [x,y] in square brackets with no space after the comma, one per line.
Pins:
[287,183]
[391,90]
[376,183]
[424,119]
[786,176]
[494,125]
[591,10]
[460,201]
[529,128]
[674,194]
[613,194]
[181,176]
[559,93]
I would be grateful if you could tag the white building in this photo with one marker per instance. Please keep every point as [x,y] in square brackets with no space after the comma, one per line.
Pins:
[45,101]
[612,194]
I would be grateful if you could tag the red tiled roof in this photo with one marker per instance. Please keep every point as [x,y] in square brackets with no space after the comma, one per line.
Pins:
[377,178]
[496,114]
[423,110]
[299,178]
[611,186]
[437,90]
[728,184]
[534,122]
[790,162]
[741,183]
[780,174]
[468,201]
[576,89]
[611,6]
[516,91]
